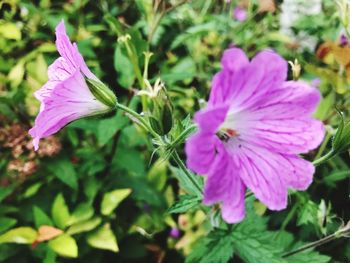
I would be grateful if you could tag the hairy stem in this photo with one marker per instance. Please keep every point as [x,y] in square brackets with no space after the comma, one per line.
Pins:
[342,232]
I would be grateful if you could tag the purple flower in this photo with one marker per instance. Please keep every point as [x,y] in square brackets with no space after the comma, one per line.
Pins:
[343,40]
[72,91]
[251,132]
[175,232]
[240,14]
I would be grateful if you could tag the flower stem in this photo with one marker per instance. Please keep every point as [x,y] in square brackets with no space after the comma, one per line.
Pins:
[324,158]
[342,232]
[142,122]
[182,166]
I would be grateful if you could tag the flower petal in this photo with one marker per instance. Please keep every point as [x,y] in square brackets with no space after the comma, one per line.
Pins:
[233,62]
[224,185]
[283,122]
[69,100]
[261,172]
[70,51]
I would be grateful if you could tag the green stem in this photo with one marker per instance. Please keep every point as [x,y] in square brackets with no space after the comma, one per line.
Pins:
[343,232]
[142,122]
[323,145]
[324,158]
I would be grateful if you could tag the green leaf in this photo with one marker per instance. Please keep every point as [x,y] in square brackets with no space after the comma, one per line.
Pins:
[186,183]
[60,212]
[252,245]
[157,175]
[65,246]
[32,190]
[216,247]
[64,170]
[185,203]
[103,238]
[112,199]
[122,64]
[10,31]
[6,223]
[81,213]
[50,256]
[108,127]
[6,191]
[84,226]
[308,257]
[20,235]
[41,218]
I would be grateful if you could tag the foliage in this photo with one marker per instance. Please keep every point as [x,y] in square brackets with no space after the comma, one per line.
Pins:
[102,190]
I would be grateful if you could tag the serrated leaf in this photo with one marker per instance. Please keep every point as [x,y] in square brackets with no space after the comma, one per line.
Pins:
[64,170]
[216,247]
[103,238]
[185,203]
[112,199]
[64,246]
[20,235]
[84,226]
[252,245]
[308,257]
[40,217]
[60,212]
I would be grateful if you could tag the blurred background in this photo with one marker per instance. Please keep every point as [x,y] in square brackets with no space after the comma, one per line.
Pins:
[93,192]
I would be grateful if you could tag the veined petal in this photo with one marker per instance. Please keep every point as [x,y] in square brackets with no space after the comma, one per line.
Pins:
[69,100]
[224,185]
[228,81]
[200,147]
[69,51]
[261,172]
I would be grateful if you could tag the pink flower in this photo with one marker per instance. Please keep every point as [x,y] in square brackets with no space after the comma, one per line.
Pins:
[72,91]
[251,134]
[240,14]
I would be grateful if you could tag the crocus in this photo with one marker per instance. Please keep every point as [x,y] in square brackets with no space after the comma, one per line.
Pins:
[71,92]
[251,133]
[240,14]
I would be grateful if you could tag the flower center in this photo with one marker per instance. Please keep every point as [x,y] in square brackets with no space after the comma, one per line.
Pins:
[226,134]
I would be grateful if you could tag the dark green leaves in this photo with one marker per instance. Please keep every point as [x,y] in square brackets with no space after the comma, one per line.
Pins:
[216,247]
[64,170]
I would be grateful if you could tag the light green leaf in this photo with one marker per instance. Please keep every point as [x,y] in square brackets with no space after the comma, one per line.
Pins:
[41,218]
[20,235]
[32,190]
[6,223]
[84,226]
[64,170]
[65,246]
[60,212]
[112,199]
[185,203]
[16,74]
[10,31]
[186,183]
[103,238]
[81,213]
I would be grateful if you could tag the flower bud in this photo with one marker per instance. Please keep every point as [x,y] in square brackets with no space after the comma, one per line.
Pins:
[102,92]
